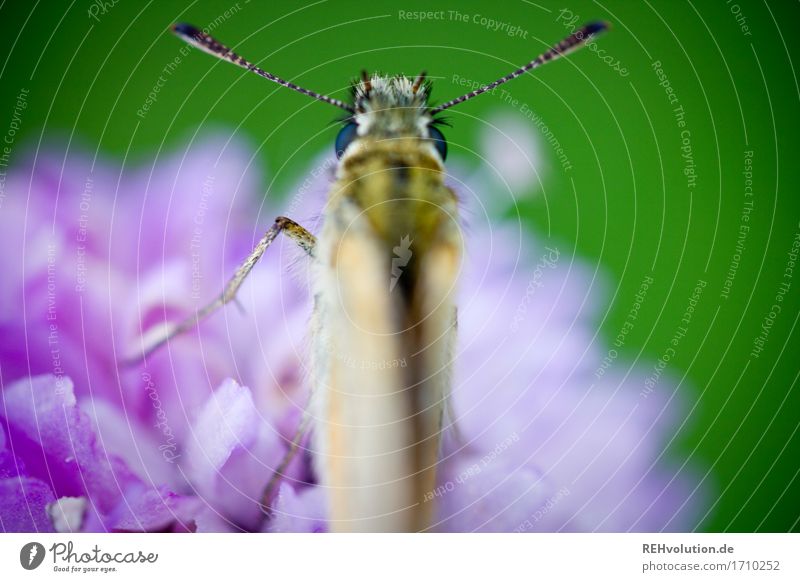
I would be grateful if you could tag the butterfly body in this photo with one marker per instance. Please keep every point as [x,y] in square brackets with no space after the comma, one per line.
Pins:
[383,350]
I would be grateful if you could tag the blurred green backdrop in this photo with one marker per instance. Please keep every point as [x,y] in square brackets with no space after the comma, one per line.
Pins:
[643,206]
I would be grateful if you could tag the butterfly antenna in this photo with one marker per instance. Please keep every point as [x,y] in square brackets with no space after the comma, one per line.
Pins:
[574,41]
[199,39]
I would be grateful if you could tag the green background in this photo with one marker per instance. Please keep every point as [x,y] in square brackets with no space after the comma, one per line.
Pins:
[633,212]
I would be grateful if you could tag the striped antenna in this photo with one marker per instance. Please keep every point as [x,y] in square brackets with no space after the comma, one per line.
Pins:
[199,39]
[574,41]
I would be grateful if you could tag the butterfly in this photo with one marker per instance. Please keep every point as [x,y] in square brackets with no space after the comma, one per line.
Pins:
[385,268]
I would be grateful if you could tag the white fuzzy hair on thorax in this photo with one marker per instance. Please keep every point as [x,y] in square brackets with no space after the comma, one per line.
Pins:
[389,107]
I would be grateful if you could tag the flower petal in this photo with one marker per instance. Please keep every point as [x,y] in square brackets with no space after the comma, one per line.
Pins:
[299,512]
[23,505]
[475,496]
[59,445]
[233,455]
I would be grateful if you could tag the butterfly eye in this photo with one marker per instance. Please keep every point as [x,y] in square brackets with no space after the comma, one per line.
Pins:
[438,141]
[346,135]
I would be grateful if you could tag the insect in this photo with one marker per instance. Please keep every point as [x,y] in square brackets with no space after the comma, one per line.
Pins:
[385,268]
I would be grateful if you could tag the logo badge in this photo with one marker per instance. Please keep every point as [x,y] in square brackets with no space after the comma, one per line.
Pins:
[31,555]
[402,254]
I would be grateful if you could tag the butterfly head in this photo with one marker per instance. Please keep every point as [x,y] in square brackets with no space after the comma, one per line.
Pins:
[391,108]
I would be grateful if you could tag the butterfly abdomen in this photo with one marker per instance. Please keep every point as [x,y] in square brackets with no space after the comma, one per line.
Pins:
[389,257]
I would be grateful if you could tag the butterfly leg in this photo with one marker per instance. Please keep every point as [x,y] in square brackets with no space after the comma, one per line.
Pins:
[158,336]
[268,496]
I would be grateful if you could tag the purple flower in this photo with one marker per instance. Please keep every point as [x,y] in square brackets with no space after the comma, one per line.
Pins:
[187,440]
